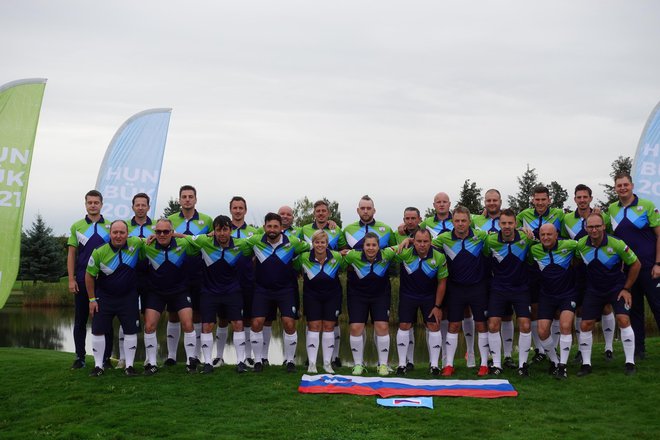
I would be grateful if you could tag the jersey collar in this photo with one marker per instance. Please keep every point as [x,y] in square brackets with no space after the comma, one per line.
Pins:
[134,223]
[633,203]
[89,221]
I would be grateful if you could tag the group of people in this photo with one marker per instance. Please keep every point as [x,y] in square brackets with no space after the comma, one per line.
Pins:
[459,269]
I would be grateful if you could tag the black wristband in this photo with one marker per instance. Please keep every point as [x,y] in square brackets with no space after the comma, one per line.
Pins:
[626,289]
[438,306]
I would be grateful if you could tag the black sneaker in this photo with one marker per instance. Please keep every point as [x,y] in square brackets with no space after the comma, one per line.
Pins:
[578,358]
[258,367]
[150,370]
[585,369]
[169,362]
[489,363]
[96,372]
[630,369]
[193,363]
[524,370]
[538,357]
[265,362]
[207,369]
[130,371]
[107,365]
[495,371]
[241,367]
[290,367]
[336,363]
[508,363]
[217,362]
[78,364]
[552,370]
[249,362]
[435,371]
[401,371]
[410,367]
[609,355]
[561,372]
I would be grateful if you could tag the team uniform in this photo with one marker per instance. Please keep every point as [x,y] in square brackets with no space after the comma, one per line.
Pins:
[336,238]
[634,224]
[486,223]
[437,227]
[86,236]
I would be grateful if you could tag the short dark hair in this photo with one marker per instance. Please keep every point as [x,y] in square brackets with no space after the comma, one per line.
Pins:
[237,199]
[421,231]
[412,208]
[94,193]
[493,190]
[221,221]
[461,210]
[582,187]
[623,175]
[541,190]
[272,216]
[119,221]
[508,212]
[187,188]
[321,202]
[593,214]
[141,196]
[372,235]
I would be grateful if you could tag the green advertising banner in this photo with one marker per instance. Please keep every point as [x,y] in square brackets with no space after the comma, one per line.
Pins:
[20,104]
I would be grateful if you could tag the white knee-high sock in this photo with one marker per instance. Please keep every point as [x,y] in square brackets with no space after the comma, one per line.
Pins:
[549,347]
[483,348]
[290,344]
[130,348]
[198,344]
[495,347]
[451,343]
[121,335]
[239,346]
[607,322]
[468,331]
[554,332]
[248,343]
[357,348]
[628,339]
[190,345]
[312,346]
[173,336]
[578,322]
[328,341]
[435,345]
[336,343]
[151,347]
[585,341]
[98,348]
[444,326]
[206,341]
[402,342]
[383,345]
[221,341]
[507,337]
[524,346]
[257,341]
[538,344]
[565,342]
[410,355]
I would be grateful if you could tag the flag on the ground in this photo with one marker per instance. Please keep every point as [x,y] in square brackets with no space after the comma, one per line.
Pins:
[412,402]
[396,386]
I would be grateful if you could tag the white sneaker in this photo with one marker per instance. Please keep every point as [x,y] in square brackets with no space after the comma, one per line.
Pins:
[312,368]
[328,368]
[121,364]
[218,362]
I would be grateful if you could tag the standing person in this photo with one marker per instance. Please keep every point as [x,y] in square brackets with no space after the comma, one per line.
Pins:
[168,287]
[274,252]
[286,213]
[467,285]
[637,222]
[606,284]
[509,287]
[86,235]
[370,295]
[188,222]
[554,259]
[411,221]
[321,297]
[111,283]
[423,280]
[442,220]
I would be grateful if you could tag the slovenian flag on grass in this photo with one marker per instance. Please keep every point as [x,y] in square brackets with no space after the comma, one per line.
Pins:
[395,386]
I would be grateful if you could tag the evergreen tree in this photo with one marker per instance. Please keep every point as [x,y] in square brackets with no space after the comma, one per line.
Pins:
[558,195]
[42,258]
[620,165]
[470,197]
[172,207]
[527,182]
[430,212]
[303,211]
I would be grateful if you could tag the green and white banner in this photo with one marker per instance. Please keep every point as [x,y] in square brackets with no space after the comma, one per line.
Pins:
[20,104]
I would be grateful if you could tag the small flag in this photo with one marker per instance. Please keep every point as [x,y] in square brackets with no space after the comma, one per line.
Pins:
[414,402]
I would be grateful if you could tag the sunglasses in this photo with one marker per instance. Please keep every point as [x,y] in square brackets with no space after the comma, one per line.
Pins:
[162,231]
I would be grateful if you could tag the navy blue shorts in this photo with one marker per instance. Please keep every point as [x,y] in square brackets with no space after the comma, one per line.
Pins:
[324,307]
[461,295]
[227,305]
[550,305]
[360,307]
[408,308]
[123,307]
[266,302]
[592,306]
[501,304]
[174,302]
[195,292]
[248,295]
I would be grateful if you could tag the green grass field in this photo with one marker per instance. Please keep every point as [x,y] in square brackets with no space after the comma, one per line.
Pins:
[42,398]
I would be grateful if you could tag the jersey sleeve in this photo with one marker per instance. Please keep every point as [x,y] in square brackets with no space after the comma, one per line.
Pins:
[389,254]
[392,240]
[624,251]
[443,271]
[654,216]
[94,263]
[73,238]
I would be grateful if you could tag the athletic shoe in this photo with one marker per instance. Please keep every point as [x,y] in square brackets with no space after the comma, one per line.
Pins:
[150,370]
[290,367]
[249,362]
[130,371]
[585,369]
[410,367]
[265,362]
[336,363]
[630,369]
[328,368]
[193,363]
[169,362]
[217,362]
[508,363]
[483,371]
[78,364]
[469,358]
[383,370]
[552,370]
[258,367]
[107,365]
[96,372]
[207,369]
[609,355]
[435,371]
[561,372]
[490,363]
[241,367]
[448,371]
[121,364]
[358,370]
[524,370]
[312,368]
[495,371]
[578,358]
[538,357]
[401,371]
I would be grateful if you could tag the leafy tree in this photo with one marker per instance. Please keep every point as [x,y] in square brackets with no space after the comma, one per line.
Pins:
[430,212]
[470,197]
[303,211]
[527,182]
[620,165]
[42,257]
[172,207]
[558,194]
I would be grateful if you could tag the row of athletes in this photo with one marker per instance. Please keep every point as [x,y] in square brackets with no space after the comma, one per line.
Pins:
[491,220]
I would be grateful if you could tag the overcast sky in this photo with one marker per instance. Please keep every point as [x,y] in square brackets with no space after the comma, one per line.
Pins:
[275,100]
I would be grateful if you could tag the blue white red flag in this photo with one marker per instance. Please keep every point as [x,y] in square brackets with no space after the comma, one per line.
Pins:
[645,170]
[411,402]
[395,386]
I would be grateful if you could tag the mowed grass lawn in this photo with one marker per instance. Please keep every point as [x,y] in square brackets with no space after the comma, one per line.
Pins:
[41,398]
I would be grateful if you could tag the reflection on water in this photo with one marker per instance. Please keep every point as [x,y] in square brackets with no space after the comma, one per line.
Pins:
[52,328]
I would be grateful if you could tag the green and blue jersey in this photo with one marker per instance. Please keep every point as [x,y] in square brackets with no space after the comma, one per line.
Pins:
[555,265]
[336,238]
[114,268]
[142,231]
[354,234]
[436,226]
[486,223]
[320,278]
[508,262]
[635,224]
[274,264]
[604,274]
[86,236]
[419,276]
[167,273]
[464,255]
[370,278]
[573,225]
[529,218]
